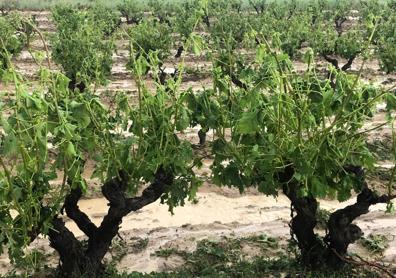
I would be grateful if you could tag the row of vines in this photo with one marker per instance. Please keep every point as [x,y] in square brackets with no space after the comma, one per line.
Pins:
[300,133]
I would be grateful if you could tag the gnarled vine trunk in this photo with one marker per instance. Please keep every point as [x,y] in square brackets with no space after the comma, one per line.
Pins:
[315,251]
[179,52]
[336,64]
[74,85]
[202,137]
[78,260]
[341,231]
[303,224]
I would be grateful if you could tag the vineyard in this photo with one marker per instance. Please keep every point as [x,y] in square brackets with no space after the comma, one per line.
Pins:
[198,138]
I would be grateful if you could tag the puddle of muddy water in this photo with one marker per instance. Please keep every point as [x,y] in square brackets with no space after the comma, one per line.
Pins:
[214,216]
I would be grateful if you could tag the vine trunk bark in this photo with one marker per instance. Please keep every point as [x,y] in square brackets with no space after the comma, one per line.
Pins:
[86,260]
[330,250]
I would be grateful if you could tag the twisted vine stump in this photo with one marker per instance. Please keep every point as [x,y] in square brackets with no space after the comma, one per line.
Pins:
[77,260]
[330,250]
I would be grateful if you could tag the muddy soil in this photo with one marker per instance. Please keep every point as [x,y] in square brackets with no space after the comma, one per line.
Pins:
[217,211]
